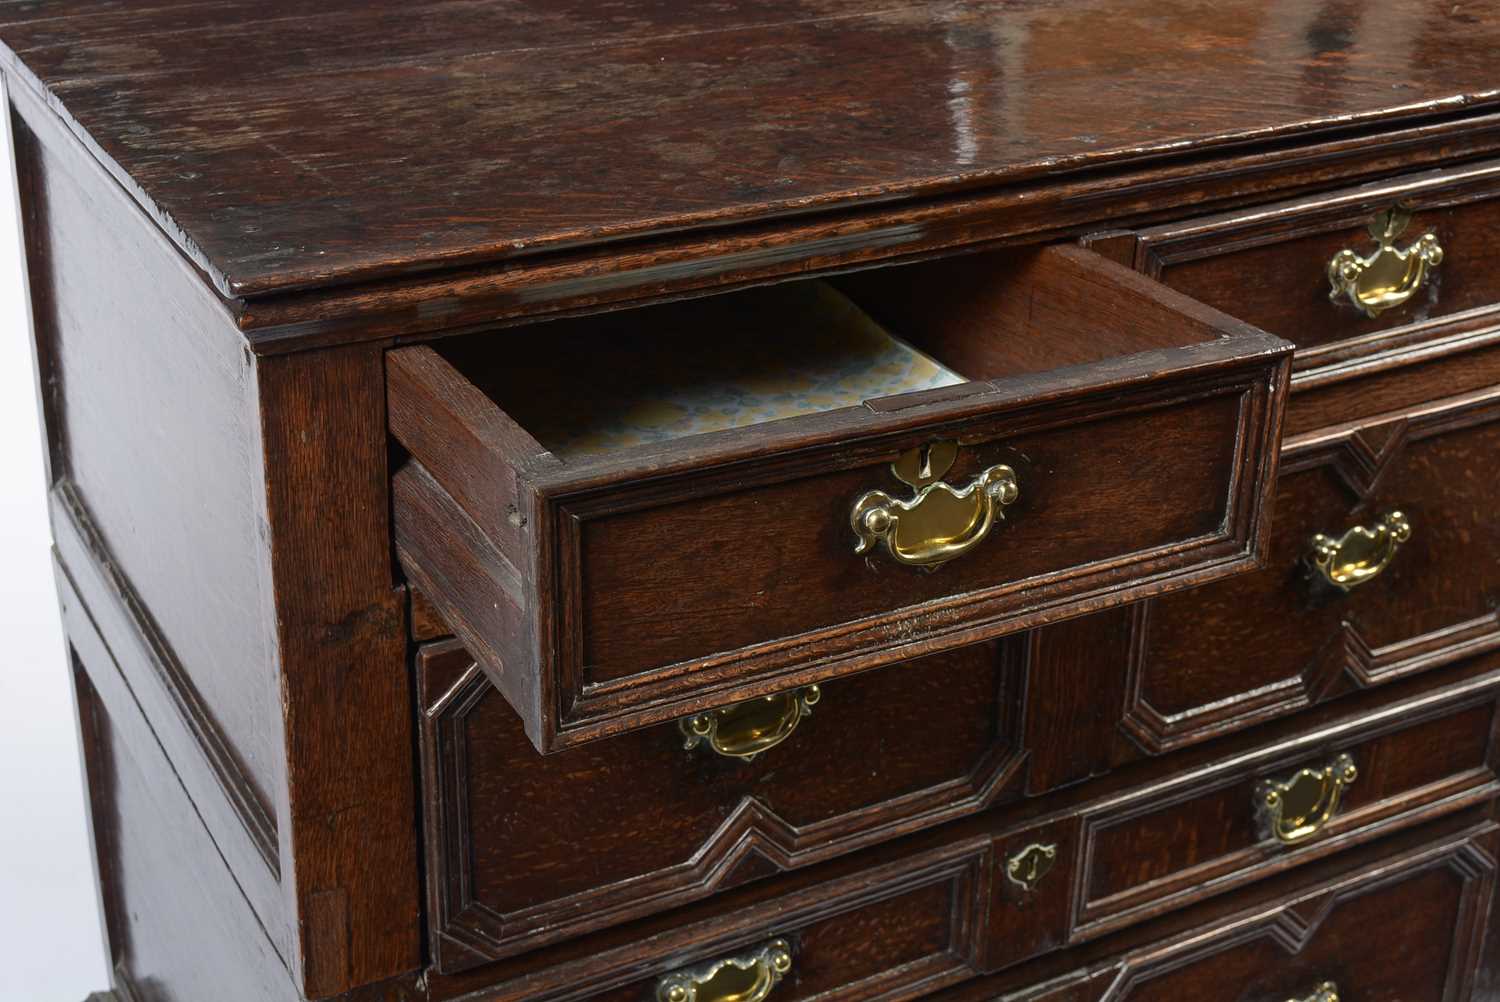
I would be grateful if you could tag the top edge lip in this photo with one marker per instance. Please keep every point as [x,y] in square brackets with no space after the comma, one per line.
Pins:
[835,203]
[242,286]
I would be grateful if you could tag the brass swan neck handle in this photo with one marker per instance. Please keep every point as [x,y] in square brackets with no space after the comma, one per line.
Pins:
[748,977]
[1361,553]
[939,522]
[746,729]
[1298,808]
[1386,277]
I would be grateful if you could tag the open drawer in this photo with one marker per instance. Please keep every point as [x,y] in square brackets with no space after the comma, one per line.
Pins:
[623,528]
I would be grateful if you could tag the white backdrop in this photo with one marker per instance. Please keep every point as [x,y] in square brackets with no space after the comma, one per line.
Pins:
[51,946]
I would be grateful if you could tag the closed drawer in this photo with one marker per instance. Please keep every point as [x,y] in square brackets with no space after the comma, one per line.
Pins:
[1171,833]
[1105,439]
[1274,640]
[1231,823]
[526,849]
[1270,265]
[888,924]
[1403,920]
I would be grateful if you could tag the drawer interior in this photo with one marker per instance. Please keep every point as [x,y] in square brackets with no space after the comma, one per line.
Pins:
[653,375]
[587,387]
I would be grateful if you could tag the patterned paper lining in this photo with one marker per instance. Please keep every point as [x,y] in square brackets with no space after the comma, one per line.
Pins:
[705,366]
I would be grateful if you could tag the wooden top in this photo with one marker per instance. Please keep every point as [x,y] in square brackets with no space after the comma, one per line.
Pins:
[288,144]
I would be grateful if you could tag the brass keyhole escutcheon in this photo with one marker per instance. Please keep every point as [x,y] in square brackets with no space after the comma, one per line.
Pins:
[1325,992]
[939,522]
[1387,277]
[1031,864]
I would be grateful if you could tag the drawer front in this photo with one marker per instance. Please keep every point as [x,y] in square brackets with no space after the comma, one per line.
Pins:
[900,947]
[1131,846]
[1269,265]
[1274,640]
[526,849]
[1220,830]
[896,926]
[1407,922]
[608,594]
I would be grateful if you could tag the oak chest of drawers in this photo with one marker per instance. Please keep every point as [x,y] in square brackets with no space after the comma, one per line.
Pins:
[796,500]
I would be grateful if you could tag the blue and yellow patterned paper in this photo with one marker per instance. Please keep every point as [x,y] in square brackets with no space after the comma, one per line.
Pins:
[704,366]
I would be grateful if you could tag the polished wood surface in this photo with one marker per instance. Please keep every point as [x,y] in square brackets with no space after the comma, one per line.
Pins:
[190,490]
[1168,845]
[568,124]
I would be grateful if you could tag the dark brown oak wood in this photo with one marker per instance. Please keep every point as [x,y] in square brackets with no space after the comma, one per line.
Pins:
[193,494]
[1274,640]
[568,125]
[245,836]
[425,621]
[672,266]
[350,834]
[245,222]
[564,577]
[882,754]
[163,881]
[1077,675]
[1135,844]
[1144,852]
[1429,361]
[1285,938]
[127,334]
[1268,266]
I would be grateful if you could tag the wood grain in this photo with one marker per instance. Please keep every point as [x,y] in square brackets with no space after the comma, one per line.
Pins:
[673,266]
[1272,641]
[130,341]
[1417,793]
[565,578]
[1178,840]
[1285,937]
[1268,266]
[563,125]
[849,935]
[883,754]
[232,210]
[349,830]
[162,880]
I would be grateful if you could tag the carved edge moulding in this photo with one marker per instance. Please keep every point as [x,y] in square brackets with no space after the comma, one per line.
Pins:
[469,931]
[1357,454]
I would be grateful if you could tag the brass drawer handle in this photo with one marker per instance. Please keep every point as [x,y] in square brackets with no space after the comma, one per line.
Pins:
[746,978]
[1387,277]
[746,729]
[939,522]
[1326,992]
[1297,809]
[1360,554]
